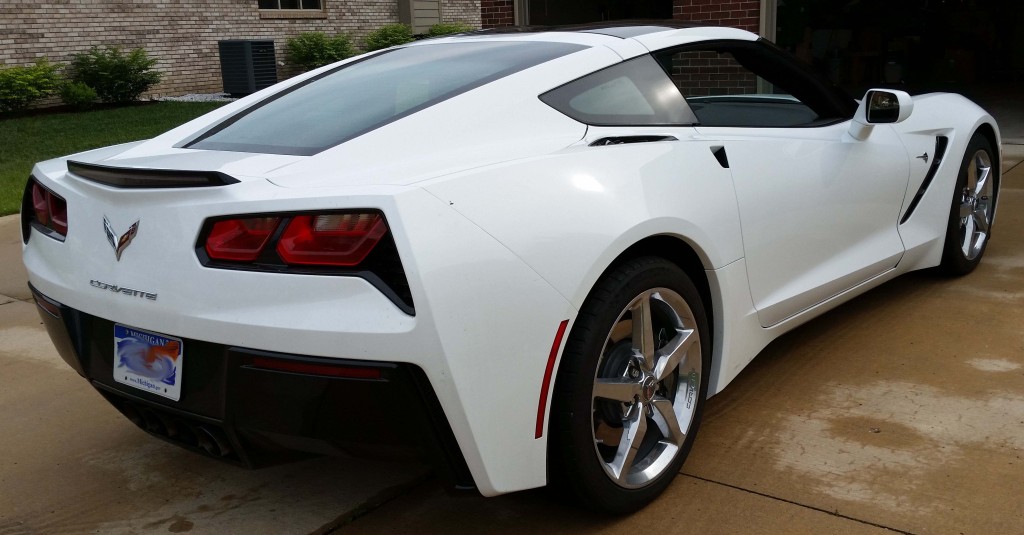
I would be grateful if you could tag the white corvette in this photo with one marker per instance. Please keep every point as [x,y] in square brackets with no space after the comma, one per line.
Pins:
[534,254]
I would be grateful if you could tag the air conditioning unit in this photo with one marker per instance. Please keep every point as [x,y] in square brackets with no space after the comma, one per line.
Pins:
[247,66]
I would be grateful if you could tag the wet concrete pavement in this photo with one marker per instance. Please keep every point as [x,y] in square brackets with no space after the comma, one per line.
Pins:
[901,411]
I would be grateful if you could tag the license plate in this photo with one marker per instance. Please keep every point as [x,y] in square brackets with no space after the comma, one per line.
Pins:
[148,361]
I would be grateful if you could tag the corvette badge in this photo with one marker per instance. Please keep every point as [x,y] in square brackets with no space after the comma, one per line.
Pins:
[122,243]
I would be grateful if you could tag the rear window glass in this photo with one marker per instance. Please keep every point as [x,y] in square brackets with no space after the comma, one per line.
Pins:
[362,96]
[632,93]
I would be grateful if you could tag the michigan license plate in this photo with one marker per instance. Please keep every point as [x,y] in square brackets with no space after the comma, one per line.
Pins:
[148,361]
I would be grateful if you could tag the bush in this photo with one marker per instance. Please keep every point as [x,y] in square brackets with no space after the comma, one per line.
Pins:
[387,36]
[116,76]
[310,50]
[23,85]
[448,28]
[78,95]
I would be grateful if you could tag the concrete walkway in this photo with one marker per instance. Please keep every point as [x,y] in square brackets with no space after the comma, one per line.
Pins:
[902,411]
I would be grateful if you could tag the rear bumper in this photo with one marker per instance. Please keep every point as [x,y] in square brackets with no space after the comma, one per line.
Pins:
[233,409]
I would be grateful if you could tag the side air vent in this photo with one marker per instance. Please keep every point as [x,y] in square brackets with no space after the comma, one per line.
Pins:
[623,140]
[121,177]
[247,66]
[941,142]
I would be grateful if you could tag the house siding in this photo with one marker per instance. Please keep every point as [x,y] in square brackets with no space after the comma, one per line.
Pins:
[182,35]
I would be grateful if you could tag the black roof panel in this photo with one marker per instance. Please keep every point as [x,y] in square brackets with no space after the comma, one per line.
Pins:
[623,29]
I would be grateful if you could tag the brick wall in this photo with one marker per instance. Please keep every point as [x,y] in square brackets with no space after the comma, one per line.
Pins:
[699,74]
[496,13]
[467,11]
[743,14]
[182,34]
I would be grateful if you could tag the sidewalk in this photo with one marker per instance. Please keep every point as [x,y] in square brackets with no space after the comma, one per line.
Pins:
[13,279]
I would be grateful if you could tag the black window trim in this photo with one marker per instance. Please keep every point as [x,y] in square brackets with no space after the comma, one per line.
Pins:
[843,106]
[321,7]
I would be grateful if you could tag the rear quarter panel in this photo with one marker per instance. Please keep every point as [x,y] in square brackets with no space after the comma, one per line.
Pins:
[570,214]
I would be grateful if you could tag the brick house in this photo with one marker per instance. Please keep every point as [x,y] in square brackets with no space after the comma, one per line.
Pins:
[182,34]
[917,42]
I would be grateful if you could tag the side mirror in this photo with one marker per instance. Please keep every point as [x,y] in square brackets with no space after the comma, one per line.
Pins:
[880,106]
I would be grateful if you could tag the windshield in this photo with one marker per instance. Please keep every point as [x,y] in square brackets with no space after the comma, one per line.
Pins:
[367,94]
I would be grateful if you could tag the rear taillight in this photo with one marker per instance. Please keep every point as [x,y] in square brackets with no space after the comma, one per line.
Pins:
[49,210]
[336,239]
[355,243]
[240,240]
[331,239]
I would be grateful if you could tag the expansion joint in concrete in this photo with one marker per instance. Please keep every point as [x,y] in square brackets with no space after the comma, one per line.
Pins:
[798,504]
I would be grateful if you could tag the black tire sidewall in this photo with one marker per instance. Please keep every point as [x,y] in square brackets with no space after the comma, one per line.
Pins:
[572,458]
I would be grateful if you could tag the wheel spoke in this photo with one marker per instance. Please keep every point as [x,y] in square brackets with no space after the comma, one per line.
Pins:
[665,418]
[633,430]
[619,389]
[968,237]
[983,174]
[643,331]
[980,220]
[672,354]
[965,211]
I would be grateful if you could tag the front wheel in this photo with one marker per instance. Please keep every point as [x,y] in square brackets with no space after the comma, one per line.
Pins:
[631,387]
[973,207]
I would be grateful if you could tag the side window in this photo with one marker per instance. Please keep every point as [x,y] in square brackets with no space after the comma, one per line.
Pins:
[632,93]
[722,90]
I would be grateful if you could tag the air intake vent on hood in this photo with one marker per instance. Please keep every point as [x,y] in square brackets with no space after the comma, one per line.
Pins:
[122,177]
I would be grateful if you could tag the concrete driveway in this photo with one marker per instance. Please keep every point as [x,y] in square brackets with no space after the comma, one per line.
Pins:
[902,411]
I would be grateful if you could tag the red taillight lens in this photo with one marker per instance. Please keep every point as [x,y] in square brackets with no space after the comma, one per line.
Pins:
[50,210]
[40,204]
[331,239]
[240,240]
[58,214]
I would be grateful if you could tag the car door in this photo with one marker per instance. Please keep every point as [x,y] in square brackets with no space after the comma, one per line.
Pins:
[818,208]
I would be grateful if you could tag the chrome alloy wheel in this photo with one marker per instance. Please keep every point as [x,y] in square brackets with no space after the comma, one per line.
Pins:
[976,205]
[646,387]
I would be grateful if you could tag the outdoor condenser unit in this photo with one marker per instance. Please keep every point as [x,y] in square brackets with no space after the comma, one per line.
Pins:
[247,66]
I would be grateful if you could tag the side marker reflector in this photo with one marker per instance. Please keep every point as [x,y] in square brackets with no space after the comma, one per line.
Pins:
[545,386]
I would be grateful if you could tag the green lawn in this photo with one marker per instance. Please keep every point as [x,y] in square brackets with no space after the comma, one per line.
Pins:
[27,140]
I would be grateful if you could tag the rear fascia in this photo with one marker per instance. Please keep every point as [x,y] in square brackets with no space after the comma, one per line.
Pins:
[460,278]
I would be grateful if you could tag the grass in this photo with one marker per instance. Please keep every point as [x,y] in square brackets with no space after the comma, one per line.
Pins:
[29,139]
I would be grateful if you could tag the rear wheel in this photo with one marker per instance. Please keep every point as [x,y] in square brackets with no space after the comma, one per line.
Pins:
[974,202]
[631,386]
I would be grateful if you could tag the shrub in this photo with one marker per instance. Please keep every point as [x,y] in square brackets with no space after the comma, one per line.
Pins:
[23,85]
[310,50]
[116,76]
[448,28]
[77,95]
[387,36]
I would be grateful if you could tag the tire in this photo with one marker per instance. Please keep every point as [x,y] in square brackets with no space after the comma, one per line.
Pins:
[609,395]
[972,209]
